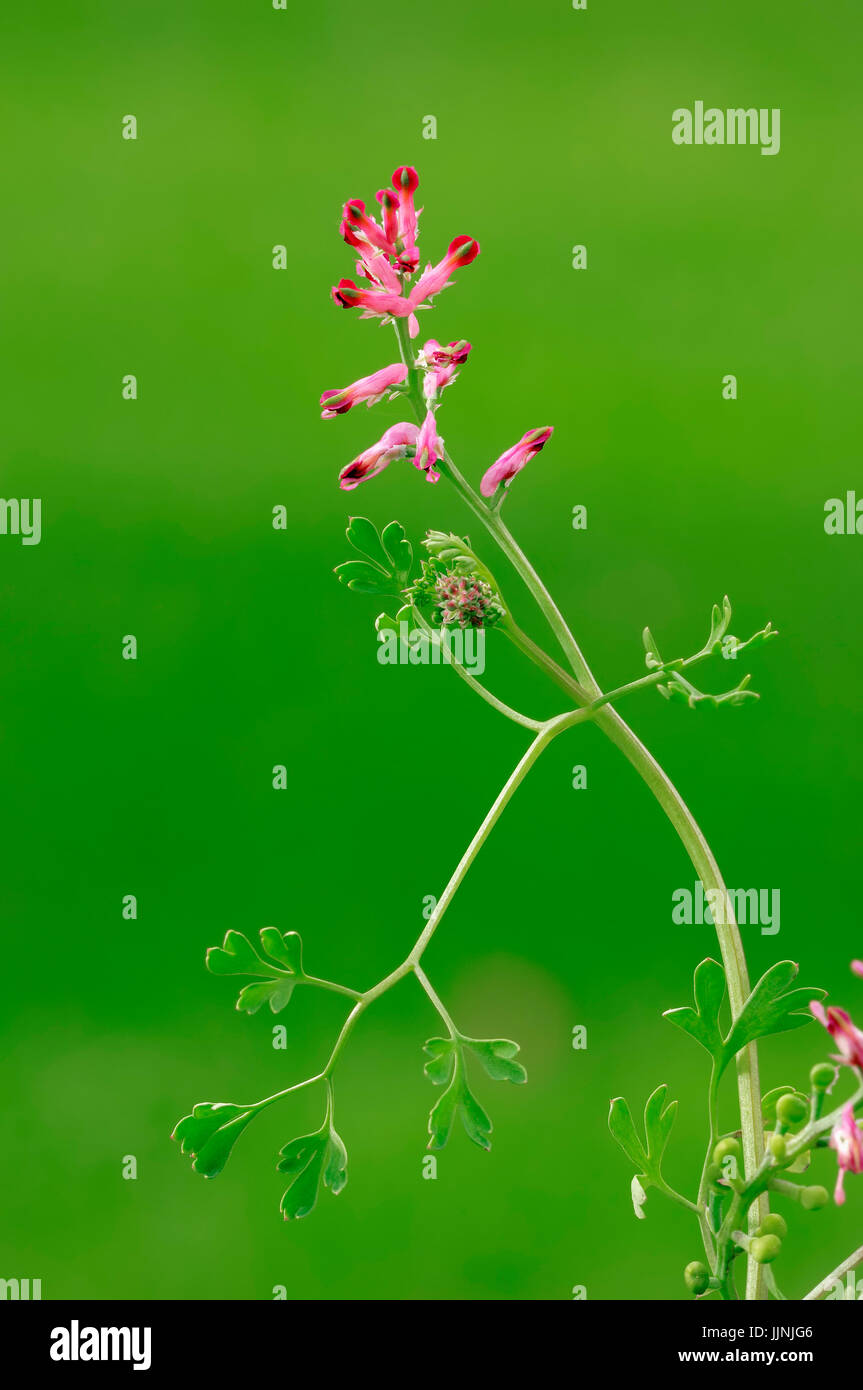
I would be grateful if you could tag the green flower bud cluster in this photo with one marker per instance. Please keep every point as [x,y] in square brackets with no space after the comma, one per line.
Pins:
[454,595]
[465,602]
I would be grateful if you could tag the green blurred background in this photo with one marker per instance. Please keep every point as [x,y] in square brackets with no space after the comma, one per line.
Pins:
[154,777]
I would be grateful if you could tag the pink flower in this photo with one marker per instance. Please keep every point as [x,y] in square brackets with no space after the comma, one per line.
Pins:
[429,448]
[440,365]
[435,278]
[393,444]
[374,302]
[847,1140]
[389,255]
[369,388]
[513,461]
[453,353]
[389,202]
[857,967]
[356,221]
[406,182]
[846,1035]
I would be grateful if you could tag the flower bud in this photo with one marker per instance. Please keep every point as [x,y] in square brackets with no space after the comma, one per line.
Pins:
[814,1198]
[791,1110]
[726,1148]
[696,1277]
[765,1248]
[773,1225]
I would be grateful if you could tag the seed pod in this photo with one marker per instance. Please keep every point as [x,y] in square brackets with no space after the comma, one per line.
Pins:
[814,1198]
[696,1276]
[725,1149]
[773,1225]
[822,1076]
[791,1110]
[777,1146]
[765,1248]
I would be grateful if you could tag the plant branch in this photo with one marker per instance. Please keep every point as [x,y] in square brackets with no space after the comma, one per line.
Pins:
[838,1273]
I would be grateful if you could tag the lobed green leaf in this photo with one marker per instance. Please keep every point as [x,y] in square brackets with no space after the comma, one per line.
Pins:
[311,1162]
[210,1133]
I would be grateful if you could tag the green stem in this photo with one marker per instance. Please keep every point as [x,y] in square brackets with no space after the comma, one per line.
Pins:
[475,685]
[845,1268]
[548,732]
[436,1001]
[691,836]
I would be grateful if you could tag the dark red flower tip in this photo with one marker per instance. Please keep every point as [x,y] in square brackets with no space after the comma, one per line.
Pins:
[458,351]
[347,232]
[406,179]
[387,199]
[463,250]
[346,294]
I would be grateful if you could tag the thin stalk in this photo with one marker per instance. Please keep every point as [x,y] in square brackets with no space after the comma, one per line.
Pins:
[688,830]
[548,732]
[490,699]
[838,1273]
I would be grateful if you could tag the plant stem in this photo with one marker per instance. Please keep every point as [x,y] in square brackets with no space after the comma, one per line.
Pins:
[490,699]
[688,830]
[845,1268]
[549,731]
[436,1001]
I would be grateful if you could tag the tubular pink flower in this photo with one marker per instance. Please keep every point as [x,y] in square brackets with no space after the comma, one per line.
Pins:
[389,202]
[844,1032]
[389,255]
[369,388]
[374,266]
[356,220]
[847,1140]
[435,278]
[392,445]
[513,461]
[857,967]
[429,448]
[406,182]
[375,303]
